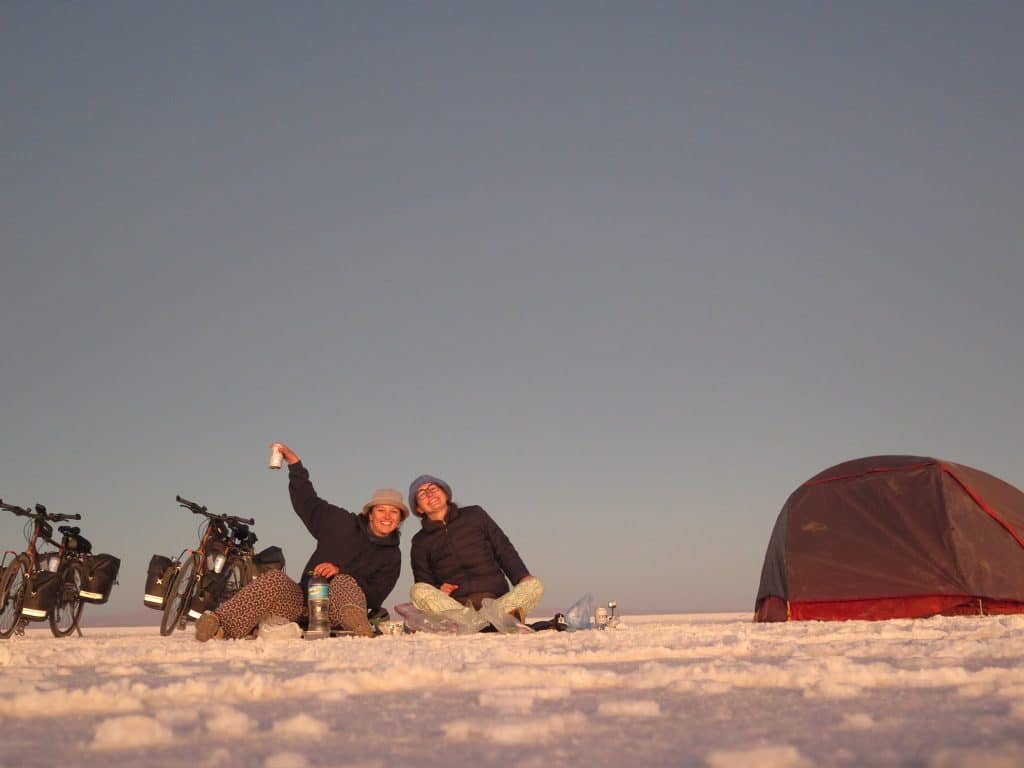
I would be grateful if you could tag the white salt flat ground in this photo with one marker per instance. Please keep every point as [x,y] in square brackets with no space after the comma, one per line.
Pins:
[675,690]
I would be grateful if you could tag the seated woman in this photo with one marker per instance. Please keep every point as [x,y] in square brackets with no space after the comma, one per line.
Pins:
[463,562]
[358,553]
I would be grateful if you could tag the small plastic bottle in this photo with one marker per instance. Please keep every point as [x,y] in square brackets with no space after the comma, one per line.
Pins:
[318,602]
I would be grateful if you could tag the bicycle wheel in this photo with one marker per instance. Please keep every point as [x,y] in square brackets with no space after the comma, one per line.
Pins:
[239,572]
[12,593]
[179,594]
[169,602]
[67,610]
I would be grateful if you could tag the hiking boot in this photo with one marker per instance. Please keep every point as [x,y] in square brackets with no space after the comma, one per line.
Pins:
[208,626]
[353,618]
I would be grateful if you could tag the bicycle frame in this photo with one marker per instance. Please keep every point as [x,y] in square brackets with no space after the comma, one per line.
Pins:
[41,529]
[220,530]
[209,536]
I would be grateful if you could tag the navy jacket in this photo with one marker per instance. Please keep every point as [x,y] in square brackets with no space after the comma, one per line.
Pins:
[468,549]
[346,540]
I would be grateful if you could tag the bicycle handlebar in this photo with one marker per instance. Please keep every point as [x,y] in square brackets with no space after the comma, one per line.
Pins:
[40,513]
[190,505]
[197,509]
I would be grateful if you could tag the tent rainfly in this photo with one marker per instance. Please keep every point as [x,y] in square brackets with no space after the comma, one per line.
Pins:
[889,537]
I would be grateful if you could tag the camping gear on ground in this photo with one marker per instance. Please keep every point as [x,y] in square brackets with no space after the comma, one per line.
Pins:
[888,537]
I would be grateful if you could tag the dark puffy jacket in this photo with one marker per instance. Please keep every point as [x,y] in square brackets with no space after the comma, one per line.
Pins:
[467,549]
[346,540]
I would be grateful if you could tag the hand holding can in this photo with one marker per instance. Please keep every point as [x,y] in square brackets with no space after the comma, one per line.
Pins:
[276,457]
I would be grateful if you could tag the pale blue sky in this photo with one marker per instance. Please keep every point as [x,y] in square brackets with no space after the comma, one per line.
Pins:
[625,275]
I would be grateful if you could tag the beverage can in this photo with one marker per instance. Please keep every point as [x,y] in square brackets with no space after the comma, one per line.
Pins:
[276,457]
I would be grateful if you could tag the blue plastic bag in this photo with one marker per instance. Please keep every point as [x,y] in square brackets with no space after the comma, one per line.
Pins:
[580,614]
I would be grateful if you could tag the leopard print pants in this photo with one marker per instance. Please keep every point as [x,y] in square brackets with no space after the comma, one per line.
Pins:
[273,593]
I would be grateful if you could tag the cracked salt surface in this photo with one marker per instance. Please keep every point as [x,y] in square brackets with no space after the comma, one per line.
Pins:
[676,690]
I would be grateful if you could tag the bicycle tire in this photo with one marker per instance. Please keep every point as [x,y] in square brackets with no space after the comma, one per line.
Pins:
[12,594]
[66,612]
[179,594]
[169,593]
[239,572]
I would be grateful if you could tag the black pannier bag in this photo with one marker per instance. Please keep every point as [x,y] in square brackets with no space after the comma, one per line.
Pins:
[40,595]
[207,597]
[269,559]
[100,578]
[159,573]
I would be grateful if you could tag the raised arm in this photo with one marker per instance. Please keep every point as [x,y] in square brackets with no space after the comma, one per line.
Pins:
[310,508]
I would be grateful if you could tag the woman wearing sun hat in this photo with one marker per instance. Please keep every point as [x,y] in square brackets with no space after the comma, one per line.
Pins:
[359,554]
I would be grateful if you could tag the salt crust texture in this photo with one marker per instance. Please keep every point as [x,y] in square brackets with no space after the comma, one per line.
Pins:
[678,690]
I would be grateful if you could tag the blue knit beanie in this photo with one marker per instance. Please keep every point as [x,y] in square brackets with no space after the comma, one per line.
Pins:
[423,480]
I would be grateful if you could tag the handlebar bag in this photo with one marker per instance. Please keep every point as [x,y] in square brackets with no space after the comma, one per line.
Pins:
[40,595]
[100,578]
[157,576]
[77,543]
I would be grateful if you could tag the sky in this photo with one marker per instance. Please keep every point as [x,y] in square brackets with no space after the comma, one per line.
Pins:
[623,277]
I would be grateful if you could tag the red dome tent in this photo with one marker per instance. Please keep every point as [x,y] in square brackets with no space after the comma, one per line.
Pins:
[889,537]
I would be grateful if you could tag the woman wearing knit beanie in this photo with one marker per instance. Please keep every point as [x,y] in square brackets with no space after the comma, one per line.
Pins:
[359,554]
[463,562]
